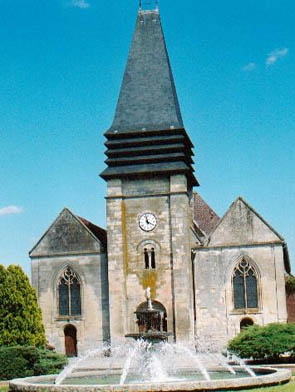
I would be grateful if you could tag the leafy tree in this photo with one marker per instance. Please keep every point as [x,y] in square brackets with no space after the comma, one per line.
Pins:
[20,316]
[268,343]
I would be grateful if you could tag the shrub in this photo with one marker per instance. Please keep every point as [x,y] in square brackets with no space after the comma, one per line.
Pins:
[49,363]
[20,316]
[18,361]
[267,343]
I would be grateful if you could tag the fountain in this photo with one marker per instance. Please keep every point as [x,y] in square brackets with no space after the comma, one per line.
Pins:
[139,365]
[149,363]
[150,319]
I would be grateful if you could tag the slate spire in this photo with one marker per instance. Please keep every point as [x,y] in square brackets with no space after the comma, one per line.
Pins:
[147,136]
[147,97]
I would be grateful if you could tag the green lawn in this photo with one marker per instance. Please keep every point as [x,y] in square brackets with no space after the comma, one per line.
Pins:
[290,387]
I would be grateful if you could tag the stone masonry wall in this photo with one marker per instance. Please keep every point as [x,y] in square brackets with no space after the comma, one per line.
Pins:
[93,325]
[128,278]
[217,320]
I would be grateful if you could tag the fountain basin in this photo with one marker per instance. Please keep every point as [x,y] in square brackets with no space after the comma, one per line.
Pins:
[266,377]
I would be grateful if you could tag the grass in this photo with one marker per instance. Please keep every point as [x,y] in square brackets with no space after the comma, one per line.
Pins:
[290,387]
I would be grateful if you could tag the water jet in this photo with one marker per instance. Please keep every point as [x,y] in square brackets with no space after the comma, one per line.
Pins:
[139,365]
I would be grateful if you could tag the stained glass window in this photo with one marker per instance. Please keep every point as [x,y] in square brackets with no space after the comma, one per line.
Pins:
[245,286]
[69,294]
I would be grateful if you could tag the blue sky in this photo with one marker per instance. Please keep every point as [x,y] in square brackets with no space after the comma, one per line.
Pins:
[61,66]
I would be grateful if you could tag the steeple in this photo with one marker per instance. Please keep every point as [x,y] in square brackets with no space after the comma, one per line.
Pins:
[147,134]
[147,97]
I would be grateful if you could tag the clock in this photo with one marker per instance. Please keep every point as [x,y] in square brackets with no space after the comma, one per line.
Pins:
[147,221]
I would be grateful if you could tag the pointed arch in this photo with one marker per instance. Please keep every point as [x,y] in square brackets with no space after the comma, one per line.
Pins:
[69,292]
[245,284]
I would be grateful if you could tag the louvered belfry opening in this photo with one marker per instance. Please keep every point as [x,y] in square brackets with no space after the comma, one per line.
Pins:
[147,136]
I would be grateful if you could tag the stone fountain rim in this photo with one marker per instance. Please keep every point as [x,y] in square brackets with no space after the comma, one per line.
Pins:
[278,376]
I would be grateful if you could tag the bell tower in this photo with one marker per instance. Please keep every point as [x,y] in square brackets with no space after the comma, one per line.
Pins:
[149,178]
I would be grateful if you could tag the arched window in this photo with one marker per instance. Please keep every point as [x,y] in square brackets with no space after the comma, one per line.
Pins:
[146,258]
[69,293]
[149,256]
[245,286]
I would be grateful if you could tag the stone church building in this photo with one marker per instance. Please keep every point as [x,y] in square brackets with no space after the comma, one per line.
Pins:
[207,276]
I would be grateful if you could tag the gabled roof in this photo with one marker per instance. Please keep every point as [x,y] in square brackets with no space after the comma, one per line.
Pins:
[70,234]
[204,216]
[97,231]
[242,225]
[147,97]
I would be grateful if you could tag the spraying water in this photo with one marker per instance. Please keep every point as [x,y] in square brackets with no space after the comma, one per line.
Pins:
[139,346]
[137,361]
[68,370]
[243,365]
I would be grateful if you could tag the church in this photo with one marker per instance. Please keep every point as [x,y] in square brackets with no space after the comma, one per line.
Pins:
[207,276]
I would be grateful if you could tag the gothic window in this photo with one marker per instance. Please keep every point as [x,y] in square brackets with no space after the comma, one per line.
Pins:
[245,286]
[149,256]
[69,293]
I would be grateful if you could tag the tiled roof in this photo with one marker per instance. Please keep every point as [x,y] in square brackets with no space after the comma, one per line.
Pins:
[205,218]
[97,231]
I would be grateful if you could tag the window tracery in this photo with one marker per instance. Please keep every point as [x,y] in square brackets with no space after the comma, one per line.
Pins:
[245,291]
[69,293]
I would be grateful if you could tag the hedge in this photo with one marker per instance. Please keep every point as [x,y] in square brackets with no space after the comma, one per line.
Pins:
[270,343]
[19,361]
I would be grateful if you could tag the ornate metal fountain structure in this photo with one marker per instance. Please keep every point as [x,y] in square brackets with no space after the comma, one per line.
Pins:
[151,320]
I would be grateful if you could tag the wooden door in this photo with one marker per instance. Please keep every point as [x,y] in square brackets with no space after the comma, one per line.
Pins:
[70,341]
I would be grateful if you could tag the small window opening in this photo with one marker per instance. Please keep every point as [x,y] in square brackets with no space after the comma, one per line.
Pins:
[149,258]
[245,323]
[153,259]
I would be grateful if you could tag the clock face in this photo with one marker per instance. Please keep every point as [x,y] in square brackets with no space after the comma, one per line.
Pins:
[147,221]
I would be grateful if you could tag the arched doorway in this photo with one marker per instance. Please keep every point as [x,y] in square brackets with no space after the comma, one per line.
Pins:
[245,323]
[151,320]
[70,340]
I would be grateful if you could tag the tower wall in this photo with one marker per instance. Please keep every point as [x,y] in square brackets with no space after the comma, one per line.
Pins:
[170,282]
